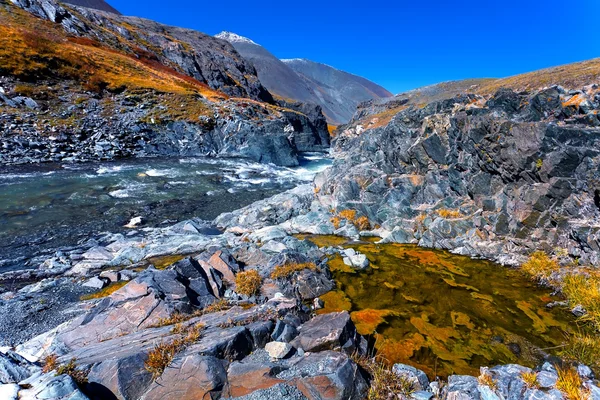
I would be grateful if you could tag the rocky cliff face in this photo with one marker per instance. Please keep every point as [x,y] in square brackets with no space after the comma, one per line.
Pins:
[337,92]
[106,86]
[95,4]
[496,177]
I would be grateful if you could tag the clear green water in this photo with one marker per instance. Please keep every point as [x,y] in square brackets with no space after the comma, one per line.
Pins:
[443,313]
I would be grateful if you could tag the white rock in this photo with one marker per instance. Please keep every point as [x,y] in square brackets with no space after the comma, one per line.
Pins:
[9,392]
[134,222]
[278,349]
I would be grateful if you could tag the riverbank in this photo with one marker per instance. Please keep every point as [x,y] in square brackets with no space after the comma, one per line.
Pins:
[266,325]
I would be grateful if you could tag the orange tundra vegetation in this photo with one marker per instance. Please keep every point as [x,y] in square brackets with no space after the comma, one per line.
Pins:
[45,51]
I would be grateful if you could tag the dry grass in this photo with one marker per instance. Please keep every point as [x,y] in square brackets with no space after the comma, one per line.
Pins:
[486,379]
[348,214]
[569,383]
[32,49]
[50,363]
[248,282]
[331,129]
[449,214]
[107,291]
[361,223]
[584,290]
[78,375]
[571,76]
[162,354]
[175,318]
[283,271]
[530,379]
[384,384]
[540,266]
[583,348]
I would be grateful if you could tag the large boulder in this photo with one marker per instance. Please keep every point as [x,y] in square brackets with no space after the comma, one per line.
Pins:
[328,332]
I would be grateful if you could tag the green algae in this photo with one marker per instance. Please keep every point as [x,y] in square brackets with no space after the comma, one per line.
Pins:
[443,313]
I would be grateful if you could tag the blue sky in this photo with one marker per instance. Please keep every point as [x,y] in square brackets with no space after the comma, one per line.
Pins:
[400,44]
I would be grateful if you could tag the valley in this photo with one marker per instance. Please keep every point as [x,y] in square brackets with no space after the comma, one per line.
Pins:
[187,216]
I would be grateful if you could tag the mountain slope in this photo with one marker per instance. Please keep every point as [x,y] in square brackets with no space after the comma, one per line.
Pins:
[95,4]
[378,112]
[79,84]
[331,84]
[337,92]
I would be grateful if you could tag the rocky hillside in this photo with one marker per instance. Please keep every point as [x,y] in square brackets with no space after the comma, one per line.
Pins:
[95,4]
[378,112]
[496,176]
[103,86]
[337,92]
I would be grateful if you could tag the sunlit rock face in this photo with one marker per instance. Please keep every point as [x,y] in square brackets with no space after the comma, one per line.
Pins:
[495,178]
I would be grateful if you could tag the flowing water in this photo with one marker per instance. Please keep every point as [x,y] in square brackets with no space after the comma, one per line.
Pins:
[443,313]
[43,208]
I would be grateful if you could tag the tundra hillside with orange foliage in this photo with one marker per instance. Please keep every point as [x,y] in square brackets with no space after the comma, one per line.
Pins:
[82,84]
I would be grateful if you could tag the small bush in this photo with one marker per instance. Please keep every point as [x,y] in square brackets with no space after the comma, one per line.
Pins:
[530,379]
[449,214]
[78,375]
[486,379]
[160,357]
[337,222]
[362,223]
[248,282]
[50,363]
[173,319]
[283,271]
[569,383]
[540,266]
[384,384]
[162,354]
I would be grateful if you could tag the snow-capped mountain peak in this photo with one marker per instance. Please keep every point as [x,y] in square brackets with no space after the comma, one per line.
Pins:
[234,38]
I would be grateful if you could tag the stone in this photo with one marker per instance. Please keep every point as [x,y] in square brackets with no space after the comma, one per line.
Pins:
[190,377]
[14,368]
[245,378]
[112,276]
[9,392]
[318,304]
[134,222]
[278,349]
[462,387]
[578,311]
[585,372]
[416,377]
[326,332]
[359,261]
[421,395]
[546,379]
[326,375]
[49,386]
[283,332]
[96,283]
[125,377]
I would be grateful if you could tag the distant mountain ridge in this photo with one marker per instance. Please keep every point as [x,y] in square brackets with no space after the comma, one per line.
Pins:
[337,92]
[95,4]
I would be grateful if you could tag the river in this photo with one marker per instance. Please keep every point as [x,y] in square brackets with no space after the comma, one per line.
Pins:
[48,207]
